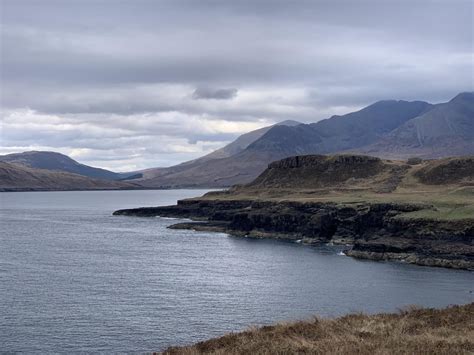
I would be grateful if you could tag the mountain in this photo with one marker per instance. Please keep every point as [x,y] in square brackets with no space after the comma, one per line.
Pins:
[243,142]
[59,162]
[193,172]
[16,177]
[335,134]
[339,133]
[446,130]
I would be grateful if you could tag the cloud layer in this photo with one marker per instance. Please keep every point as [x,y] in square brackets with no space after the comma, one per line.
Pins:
[134,84]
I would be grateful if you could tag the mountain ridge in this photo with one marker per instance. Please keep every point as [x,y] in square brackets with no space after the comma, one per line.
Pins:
[281,141]
[445,130]
[237,146]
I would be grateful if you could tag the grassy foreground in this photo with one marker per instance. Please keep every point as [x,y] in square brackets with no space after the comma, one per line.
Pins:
[411,331]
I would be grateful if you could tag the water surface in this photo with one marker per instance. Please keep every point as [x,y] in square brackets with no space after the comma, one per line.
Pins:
[74,278]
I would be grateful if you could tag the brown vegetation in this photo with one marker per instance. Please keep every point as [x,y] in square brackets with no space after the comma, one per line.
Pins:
[412,331]
[16,177]
[447,171]
[445,186]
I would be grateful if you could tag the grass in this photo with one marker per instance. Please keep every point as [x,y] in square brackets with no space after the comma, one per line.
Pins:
[410,331]
[443,212]
[448,201]
[442,202]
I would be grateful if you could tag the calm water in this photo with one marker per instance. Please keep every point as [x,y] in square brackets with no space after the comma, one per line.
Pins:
[74,278]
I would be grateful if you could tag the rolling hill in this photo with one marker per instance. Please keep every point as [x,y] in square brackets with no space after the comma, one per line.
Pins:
[59,162]
[16,177]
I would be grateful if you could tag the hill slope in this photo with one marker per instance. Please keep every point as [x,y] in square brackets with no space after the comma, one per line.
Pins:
[58,162]
[339,171]
[357,173]
[213,169]
[16,177]
[243,141]
[414,331]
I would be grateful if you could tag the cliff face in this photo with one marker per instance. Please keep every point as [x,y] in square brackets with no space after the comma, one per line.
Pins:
[339,171]
[375,231]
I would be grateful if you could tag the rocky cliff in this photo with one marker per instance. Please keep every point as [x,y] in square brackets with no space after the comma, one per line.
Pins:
[374,231]
[338,171]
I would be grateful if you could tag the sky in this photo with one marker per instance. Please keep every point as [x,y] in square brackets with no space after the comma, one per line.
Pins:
[127,85]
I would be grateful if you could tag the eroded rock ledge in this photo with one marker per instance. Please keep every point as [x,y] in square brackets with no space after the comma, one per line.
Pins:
[372,231]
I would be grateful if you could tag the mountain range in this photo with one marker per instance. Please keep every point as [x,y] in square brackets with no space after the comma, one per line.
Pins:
[381,129]
[392,129]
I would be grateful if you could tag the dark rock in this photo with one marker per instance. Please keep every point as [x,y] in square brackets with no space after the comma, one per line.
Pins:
[375,230]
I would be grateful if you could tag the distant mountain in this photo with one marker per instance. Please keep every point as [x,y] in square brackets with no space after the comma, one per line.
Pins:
[335,134]
[387,129]
[446,130]
[340,133]
[59,162]
[16,177]
[243,142]
[178,174]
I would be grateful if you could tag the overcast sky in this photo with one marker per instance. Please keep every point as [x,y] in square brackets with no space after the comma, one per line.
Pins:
[132,84]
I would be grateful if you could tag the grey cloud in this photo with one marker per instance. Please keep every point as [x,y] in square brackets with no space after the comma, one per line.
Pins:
[104,63]
[217,94]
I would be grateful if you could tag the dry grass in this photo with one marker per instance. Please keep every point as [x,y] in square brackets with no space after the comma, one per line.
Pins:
[411,331]
[442,202]
[447,201]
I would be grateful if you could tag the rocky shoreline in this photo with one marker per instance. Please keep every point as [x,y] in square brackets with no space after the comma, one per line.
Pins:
[375,231]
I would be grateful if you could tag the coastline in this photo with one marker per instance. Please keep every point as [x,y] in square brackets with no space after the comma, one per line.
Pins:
[33,189]
[375,231]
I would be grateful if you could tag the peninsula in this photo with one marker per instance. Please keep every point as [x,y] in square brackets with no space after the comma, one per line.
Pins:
[413,211]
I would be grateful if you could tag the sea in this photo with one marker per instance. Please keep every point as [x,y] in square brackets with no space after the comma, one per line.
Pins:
[76,279]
